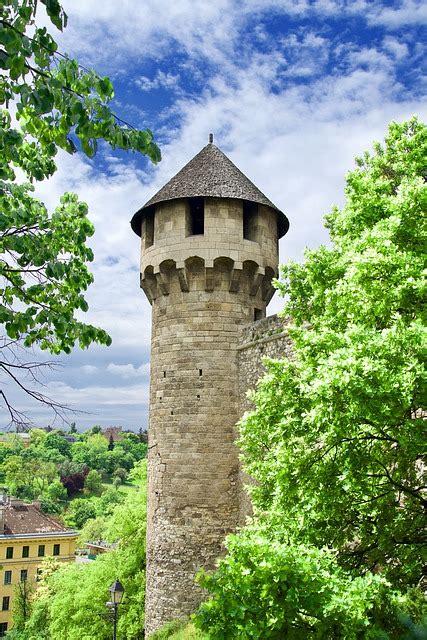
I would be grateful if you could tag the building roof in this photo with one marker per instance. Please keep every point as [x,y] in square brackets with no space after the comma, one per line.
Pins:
[20,518]
[210,174]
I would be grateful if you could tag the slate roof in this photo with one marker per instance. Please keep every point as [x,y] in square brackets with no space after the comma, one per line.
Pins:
[28,519]
[210,174]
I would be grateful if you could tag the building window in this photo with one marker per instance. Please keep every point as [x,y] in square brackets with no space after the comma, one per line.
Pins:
[25,552]
[9,553]
[8,577]
[5,603]
[149,228]
[196,217]
[3,629]
[24,575]
[258,314]
[250,218]
[56,549]
[41,551]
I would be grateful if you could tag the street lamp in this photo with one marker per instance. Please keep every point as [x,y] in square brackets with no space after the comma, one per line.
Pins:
[117,592]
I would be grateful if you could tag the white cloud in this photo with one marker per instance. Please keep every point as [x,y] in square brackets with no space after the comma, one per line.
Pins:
[290,126]
[397,48]
[89,369]
[98,395]
[161,79]
[409,12]
[128,371]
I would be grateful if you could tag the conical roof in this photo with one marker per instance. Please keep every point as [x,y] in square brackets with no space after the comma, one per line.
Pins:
[210,174]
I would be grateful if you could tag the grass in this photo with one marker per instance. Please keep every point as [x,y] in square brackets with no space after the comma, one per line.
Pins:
[179,630]
[126,487]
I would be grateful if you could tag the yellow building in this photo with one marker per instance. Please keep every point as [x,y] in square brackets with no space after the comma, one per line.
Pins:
[27,536]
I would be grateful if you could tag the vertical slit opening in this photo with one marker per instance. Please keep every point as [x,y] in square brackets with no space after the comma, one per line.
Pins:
[149,228]
[196,216]
[250,219]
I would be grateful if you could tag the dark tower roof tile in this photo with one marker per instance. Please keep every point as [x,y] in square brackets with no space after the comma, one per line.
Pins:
[210,174]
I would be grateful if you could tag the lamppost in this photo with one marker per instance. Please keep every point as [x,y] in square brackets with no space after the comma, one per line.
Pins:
[117,592]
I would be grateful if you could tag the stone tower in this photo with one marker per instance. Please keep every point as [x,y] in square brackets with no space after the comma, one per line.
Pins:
[209,249]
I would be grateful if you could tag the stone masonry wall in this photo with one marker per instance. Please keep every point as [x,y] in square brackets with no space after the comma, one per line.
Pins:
[202,289]
[266,338]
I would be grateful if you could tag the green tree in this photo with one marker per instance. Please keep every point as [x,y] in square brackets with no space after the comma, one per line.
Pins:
[79,512]
[93,529]
[107,502]
[58,105]
[118,458]
[28,478]
[22,603]
[93,483]
[120,473]
[56,491]
[91,452]
[335,443]
[55,440]
[71,602]
[38,436]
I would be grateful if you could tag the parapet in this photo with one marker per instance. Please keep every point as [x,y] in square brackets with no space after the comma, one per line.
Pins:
[233,243]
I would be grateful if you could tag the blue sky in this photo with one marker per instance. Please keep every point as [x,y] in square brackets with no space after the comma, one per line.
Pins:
[293,90]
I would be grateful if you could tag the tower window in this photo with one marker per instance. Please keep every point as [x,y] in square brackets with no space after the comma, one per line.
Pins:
[258,315]
[200,372]
[196,216]
[250,219]
[149,228]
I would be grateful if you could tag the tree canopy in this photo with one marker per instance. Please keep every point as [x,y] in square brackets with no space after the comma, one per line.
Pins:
[335,443]
[54,103]
[70,599]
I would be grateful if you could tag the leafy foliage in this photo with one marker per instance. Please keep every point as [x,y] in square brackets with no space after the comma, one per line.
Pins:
[266,589]
[336,441]
[70,605]
[22,603]
[51,470]
[43,269]
[178,630]
[93,483]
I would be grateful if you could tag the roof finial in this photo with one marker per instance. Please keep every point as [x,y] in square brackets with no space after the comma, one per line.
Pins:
[210,138]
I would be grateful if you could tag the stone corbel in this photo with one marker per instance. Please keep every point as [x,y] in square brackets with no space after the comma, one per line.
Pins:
[257,281]
[209,275]
[182,276]
[162,283]
[236,273]
[149,286]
